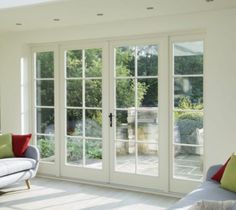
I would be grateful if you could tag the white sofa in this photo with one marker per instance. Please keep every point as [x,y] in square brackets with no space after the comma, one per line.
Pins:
[17,169]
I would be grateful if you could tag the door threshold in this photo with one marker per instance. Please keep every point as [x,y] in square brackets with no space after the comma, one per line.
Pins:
[114,186]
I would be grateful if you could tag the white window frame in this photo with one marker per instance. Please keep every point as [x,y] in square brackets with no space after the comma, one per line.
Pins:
[177,184]
[47,168]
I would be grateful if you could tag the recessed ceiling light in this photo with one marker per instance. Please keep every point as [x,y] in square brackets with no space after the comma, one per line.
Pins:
[56,19]
[100,14]
[19,24]
[149,8]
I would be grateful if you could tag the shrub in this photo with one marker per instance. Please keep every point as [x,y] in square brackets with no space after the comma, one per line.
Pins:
[46,147]
[187,124]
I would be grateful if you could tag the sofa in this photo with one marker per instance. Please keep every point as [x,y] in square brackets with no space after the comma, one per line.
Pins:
[15,169]
[208,190]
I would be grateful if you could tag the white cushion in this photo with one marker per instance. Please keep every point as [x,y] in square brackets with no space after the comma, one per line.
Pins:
[213,205]
[14,165]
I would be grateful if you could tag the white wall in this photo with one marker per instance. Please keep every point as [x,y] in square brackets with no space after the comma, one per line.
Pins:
[220,68]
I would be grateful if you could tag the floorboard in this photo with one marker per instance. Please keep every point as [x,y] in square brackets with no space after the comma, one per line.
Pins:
[48,194]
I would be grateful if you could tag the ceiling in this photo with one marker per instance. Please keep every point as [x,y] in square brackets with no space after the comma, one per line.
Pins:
[20,15]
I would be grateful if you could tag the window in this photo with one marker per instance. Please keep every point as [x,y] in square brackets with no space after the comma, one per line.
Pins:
[44,104]
[188,110]
[102,112]
[84,107]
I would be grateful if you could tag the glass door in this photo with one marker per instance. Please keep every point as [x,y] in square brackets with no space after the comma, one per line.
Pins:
[134,119]
[83,117]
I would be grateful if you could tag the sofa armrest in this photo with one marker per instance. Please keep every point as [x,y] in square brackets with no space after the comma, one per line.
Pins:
[32,152]
[211,171]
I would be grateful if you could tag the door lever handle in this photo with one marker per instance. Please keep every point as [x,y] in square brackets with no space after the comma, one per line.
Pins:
[110,117]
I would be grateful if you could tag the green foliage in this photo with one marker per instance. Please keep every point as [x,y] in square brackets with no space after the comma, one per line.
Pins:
[74,150]
[192,87]
[93,87]
[189,64]
[148,60]
[93,149]
[188,122]
[46,147]
[125,88]
[74,63]
[45,65]
[186,104]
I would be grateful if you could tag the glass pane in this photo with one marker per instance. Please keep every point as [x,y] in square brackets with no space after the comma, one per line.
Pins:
[188,129]
[74,93]
[93,153]
[148,125]
[93,123]
[45,92]
[93,93]
[122,125]
[74,63]
[188,165]
[147,159]
[45,120]
[46,145]
[125,93]
[74,122]
[188,93]
[44,65]
[147,60]
[147,92]
[125,157]
[125,61]
[75,151]
[188,58]
[93,62]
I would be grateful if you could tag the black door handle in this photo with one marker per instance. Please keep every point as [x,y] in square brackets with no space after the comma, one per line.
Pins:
[110,117]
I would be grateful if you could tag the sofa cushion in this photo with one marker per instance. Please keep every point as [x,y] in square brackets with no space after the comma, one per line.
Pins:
[6,146]
[20,143]
[216,205]
[14,165]
[218,175]
[228,180]
[209,190]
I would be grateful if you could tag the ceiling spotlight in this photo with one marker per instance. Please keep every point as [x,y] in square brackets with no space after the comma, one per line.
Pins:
[19,24]
[56,19]
[149,8]
[100,14]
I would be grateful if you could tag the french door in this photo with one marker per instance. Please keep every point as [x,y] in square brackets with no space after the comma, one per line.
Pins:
[137,145]
[85,112]
[117,112]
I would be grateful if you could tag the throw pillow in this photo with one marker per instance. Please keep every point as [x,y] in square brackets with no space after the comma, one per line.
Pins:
[20,143]
[228,180]
[210,205]
[218,175]
[6,146]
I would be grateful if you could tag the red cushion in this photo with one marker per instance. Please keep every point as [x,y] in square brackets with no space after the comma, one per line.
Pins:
[20,143]
[218,175]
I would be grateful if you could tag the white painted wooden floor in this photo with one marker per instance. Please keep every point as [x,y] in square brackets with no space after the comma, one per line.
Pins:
[48,194]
